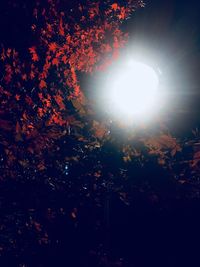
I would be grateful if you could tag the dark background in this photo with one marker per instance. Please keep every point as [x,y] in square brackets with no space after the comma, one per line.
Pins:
[169,33]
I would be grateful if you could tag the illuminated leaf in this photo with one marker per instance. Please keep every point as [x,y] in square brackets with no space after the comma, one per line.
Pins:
[42,84]
[114,6]
[52,47]
[34,55]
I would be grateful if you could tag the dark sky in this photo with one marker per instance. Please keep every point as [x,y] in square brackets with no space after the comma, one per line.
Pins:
[169,33]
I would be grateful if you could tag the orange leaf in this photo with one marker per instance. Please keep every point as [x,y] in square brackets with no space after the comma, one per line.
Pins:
[64,59]
[114,6]
[42,84]
[55,61]
[59,101]
[33,52]
[32,75]
[61,28]
[52,46]
[17,97]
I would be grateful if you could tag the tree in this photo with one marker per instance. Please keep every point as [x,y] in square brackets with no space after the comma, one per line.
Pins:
[39,94]
[54,150]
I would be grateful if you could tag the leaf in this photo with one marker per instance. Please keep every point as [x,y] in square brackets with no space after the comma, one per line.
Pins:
[41,112]
[78,106]
[52,47]
[34,55]
[24,163]
[59,101]
[42,84]
[61,28]
[32,75]
[99,129]
[41,166]
[114,6]
[55,62]
[164,141]
[122,14]
[64,59]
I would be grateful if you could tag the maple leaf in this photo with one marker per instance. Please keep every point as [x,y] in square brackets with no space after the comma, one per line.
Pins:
[32,75]
[24,77]
[17,97]
[55,62]
[47,102]
[42,84]
[59,101]
[61,28]
[40,95]
[64,59]
[68,38]
[41,166]
[34,55]
[114,6]
[40,112]
[52,47]
[78,106]
[99,129]
[24,116]
[122,14]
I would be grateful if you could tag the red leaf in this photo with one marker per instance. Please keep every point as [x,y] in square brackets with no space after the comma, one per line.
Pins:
[61,28]
[17,97]
[55,62]
[42,84]
[64,59]
[59,101]
[114,6]
[33,52]
[52,47]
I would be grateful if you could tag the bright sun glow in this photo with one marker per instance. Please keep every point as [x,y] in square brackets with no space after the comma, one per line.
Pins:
[134,90]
